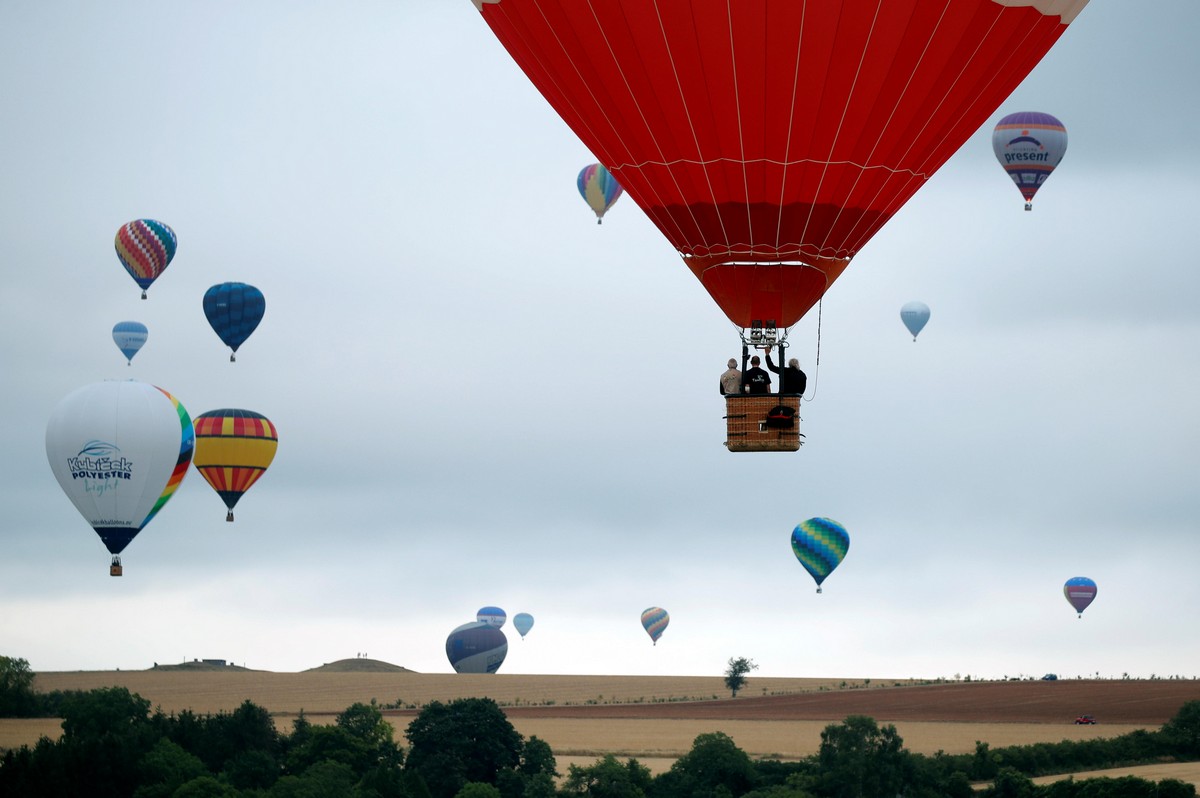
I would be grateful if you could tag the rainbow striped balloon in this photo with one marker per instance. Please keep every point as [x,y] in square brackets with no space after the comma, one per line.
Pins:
[820,544]
[599,189]
[145,248]
[654,621]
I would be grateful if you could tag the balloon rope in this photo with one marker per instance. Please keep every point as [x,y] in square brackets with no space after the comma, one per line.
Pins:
[817,363]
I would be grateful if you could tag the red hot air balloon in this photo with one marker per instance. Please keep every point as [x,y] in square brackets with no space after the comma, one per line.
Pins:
[769,140]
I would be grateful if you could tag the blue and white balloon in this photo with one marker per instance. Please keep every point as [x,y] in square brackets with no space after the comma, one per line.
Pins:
[476,647]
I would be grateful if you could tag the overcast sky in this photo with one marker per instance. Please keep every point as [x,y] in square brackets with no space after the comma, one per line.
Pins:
[483,397]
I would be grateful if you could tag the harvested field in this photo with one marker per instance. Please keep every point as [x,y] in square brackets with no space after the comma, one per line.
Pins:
[651,718]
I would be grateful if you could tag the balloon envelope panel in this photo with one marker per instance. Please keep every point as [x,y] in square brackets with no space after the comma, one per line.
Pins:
[494,616]
[654,621]
[476,648]
[820,544]
[233,449]
[234,311]
[1029,145]
[1080,592]
[130,337]
[523,622]
[145,248]
[119,450]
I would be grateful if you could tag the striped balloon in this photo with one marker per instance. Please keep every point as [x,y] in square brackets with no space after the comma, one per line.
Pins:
[599,189]
[1080,591]
[820,544]
[233,449]
[1029,145]
[654,621]
[145,248]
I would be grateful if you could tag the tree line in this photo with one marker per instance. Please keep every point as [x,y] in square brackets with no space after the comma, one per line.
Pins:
[112,744]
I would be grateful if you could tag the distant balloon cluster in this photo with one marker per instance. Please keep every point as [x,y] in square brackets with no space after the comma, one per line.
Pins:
[120,450]
[480,646]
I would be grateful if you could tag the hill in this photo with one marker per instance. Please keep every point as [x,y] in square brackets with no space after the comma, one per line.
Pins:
[359,665]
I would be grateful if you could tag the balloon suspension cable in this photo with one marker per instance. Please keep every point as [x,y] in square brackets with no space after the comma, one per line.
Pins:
[817,359]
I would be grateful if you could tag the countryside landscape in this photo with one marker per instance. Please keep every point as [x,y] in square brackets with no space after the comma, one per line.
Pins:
[655,719]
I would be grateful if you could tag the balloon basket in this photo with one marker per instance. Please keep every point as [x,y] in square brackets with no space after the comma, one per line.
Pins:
[746,424]
[229,517]
[115,568]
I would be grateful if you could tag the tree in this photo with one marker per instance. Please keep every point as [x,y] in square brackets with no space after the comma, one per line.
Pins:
[858,758]
[714,766]
[468,739]
[165,768]
[735,674]
[608,778]
[17,699]
[475,789]
[1183,730]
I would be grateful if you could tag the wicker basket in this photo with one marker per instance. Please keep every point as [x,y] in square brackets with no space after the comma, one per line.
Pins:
[745,431]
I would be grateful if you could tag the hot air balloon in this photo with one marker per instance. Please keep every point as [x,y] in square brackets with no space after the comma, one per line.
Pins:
[654,621]
[599,189]
[145,248]
[129,336]
[233,449]
[769,141]
[119,450]
[234,311]
[523,622]
[493,616]
[476,647]
[1080,591]
[820,544]
[915,316]
[1029,145]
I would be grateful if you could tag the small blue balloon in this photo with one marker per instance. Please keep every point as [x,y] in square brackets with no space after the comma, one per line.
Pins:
[129,336]
[915,316]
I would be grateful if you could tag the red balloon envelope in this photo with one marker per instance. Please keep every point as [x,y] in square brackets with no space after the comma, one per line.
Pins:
[770,139]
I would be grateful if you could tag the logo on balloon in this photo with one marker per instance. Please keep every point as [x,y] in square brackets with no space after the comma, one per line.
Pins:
[95,461]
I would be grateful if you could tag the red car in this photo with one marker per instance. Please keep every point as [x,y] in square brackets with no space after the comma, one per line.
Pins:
[1085,719]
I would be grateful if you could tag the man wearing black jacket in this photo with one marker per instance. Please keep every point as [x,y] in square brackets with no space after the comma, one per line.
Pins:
[791,378]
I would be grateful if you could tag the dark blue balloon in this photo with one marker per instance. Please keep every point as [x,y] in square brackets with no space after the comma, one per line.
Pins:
[234,311]
[476,647]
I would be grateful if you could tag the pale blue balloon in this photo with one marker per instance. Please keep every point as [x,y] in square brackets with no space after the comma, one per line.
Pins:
[523,622]
[129,336]
[915,316]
